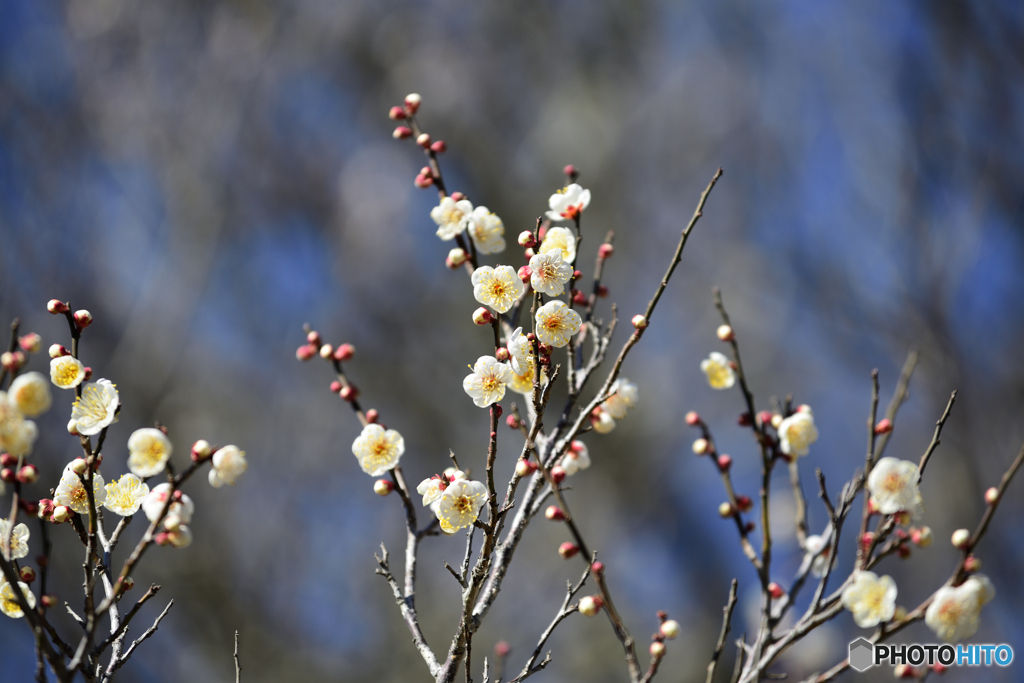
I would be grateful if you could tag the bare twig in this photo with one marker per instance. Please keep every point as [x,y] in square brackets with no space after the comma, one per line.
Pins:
[726,621]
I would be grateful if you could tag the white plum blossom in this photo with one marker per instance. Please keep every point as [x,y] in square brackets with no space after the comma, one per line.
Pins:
[871,598]
[603,422]
[431,490]
[125,496]
[549,273]
[460,504]
[487,231]
[451,217]
[149,449]
[180,509]
[498,287]
[556,323]
[30,392]
[576,458]
[818,547]
[71,491]
[17,435]
[623,397]
[19,540]
[66,372]
[486,384]
[522,384]
[9,601]
[719,371]
[955,612]
[96,408]
[378,450]
[568,203]
[521,351]
[228,465]
[893,486]
[797,432]
[561,241]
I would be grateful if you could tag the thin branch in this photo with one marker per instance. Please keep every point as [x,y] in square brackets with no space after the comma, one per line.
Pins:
[935,437]
[726,622]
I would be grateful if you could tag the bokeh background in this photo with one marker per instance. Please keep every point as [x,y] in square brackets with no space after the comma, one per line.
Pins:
[206,177]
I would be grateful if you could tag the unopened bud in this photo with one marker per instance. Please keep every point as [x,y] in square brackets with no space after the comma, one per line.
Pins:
[7,474]
[525,273]
[528,254]
[78,466]
[579,298]
[527,240]
[502,649]
[127,583]
[602,291]
[61,514]
[992,495]
[867,539]
[88,373]
[724,462]
[482,316]
[12,361]
[523,467]
[423,180]
[745,420]
[744,503]
[921,537]
[605,250]
[568,549]
[372,415]
[57,307]
[545,349]
[657,649]
[570,171]
[201,450]
[57,350]
[961,537]
[383,487]
[73,427]
[396,114]
[597,568]
[423,140]
[349,392]
[457,196]
[670,629]
[884,426]
[502,354]
[725,333]
[804,408]
[591,605]
[28,575]
[725,510]
[305,352]
[692,419]
[776,421]
[8,460]
[412,102]
[554,513]
[439,147]
[701,446]
[45,510]
[972,563]
[30,343]
[48,600]
[557,474]
[401,132]
[639,321]
[326,351]
[344,352]
[903,550]
[28,474]
[764,417]
[775,590]
[83,318]
[512,421]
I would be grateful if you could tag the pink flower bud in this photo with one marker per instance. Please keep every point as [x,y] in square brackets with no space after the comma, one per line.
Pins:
[657,649]
[523,467]
[992,495]
[61,514]
[884,426]
[326,351]
[557,474]
[692,419]
[602,291]
[305,352]
[313,338]
[79,466]
[48,600]
[961,538]
[605,250]
[127,583]
[867,539]
[570,171]
[724,462]
[903,550]
[28,474]
[765,417]
[590,605]
[30,343]
[56,351]
[88,373]
[725,333]
[344,352]
[639,321]
[83,319]
[423,181]
[8,460]
[529,254]
[458,196]
[12,361]
[803,408]
[554,513]
[502,649]
[744,420]
[744,503]
[401,132]
[57,307]
[31,507]
[349,392]
[502,354]
[568,549]
[597,568]
[7,474]
[482,316]
[526,239]
[525,273]
[872,506]
[439,147]
[423,140]
[726,510]
[972,563]
[412,102]
[921,537]
[383,487]
[775,590]
[701,446]
[28,575]
[670,629]
[512,421]
[201,450]
[749,526]
[579,298]
[372,415]
[396,114]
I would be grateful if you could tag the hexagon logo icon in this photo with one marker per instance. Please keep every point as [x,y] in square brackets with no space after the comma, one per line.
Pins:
[862,654]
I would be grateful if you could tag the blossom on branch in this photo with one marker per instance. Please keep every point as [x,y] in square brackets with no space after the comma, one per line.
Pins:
[9,600]
[179,511]
[560,241]
[71,491]
[576,458]
[568,203]
[378,450]
[451,217]
[487,231]
[17,435]
[719,370]
[871,598]
[549,272]
[125,496]
[623,397]
[66,372]
[460,504]
[18,547]
[556,323]
[797,432]
[96,408]
[955,612]
[149,449]
[893,486]
[486,384]
[229,464]
[31,394]
[818,547]
[431,490]
[498,287]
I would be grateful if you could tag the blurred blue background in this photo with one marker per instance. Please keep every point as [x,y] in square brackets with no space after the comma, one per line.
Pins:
[206,177]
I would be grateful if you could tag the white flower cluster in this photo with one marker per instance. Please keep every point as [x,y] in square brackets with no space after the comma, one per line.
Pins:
[485,229]
[623,397]
[28,396]
[455,500]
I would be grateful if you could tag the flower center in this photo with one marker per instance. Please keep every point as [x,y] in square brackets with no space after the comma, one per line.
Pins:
[66,373]
[893,483]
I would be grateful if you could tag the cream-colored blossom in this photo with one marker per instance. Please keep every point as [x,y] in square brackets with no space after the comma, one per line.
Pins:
[19,540]
[955,612]
[893,486]
[522,384]
[871,598]
[9,601]
[149,449]
[556,323]
[377,449]
[549,273]
[487,231]
[796,433]
[228,465]
[818,548]
[66,372]
[125,496]
[603,422]
[451,217]
[180,537]
[17,435]
[181,508]
[568,203]
[431,489]
[96,408]
[623,397]
[576,458]
[561,241]
[521,351]
[71,491]
[486,384]
[31,394]
[498,288]
[719,371]
[460,504]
